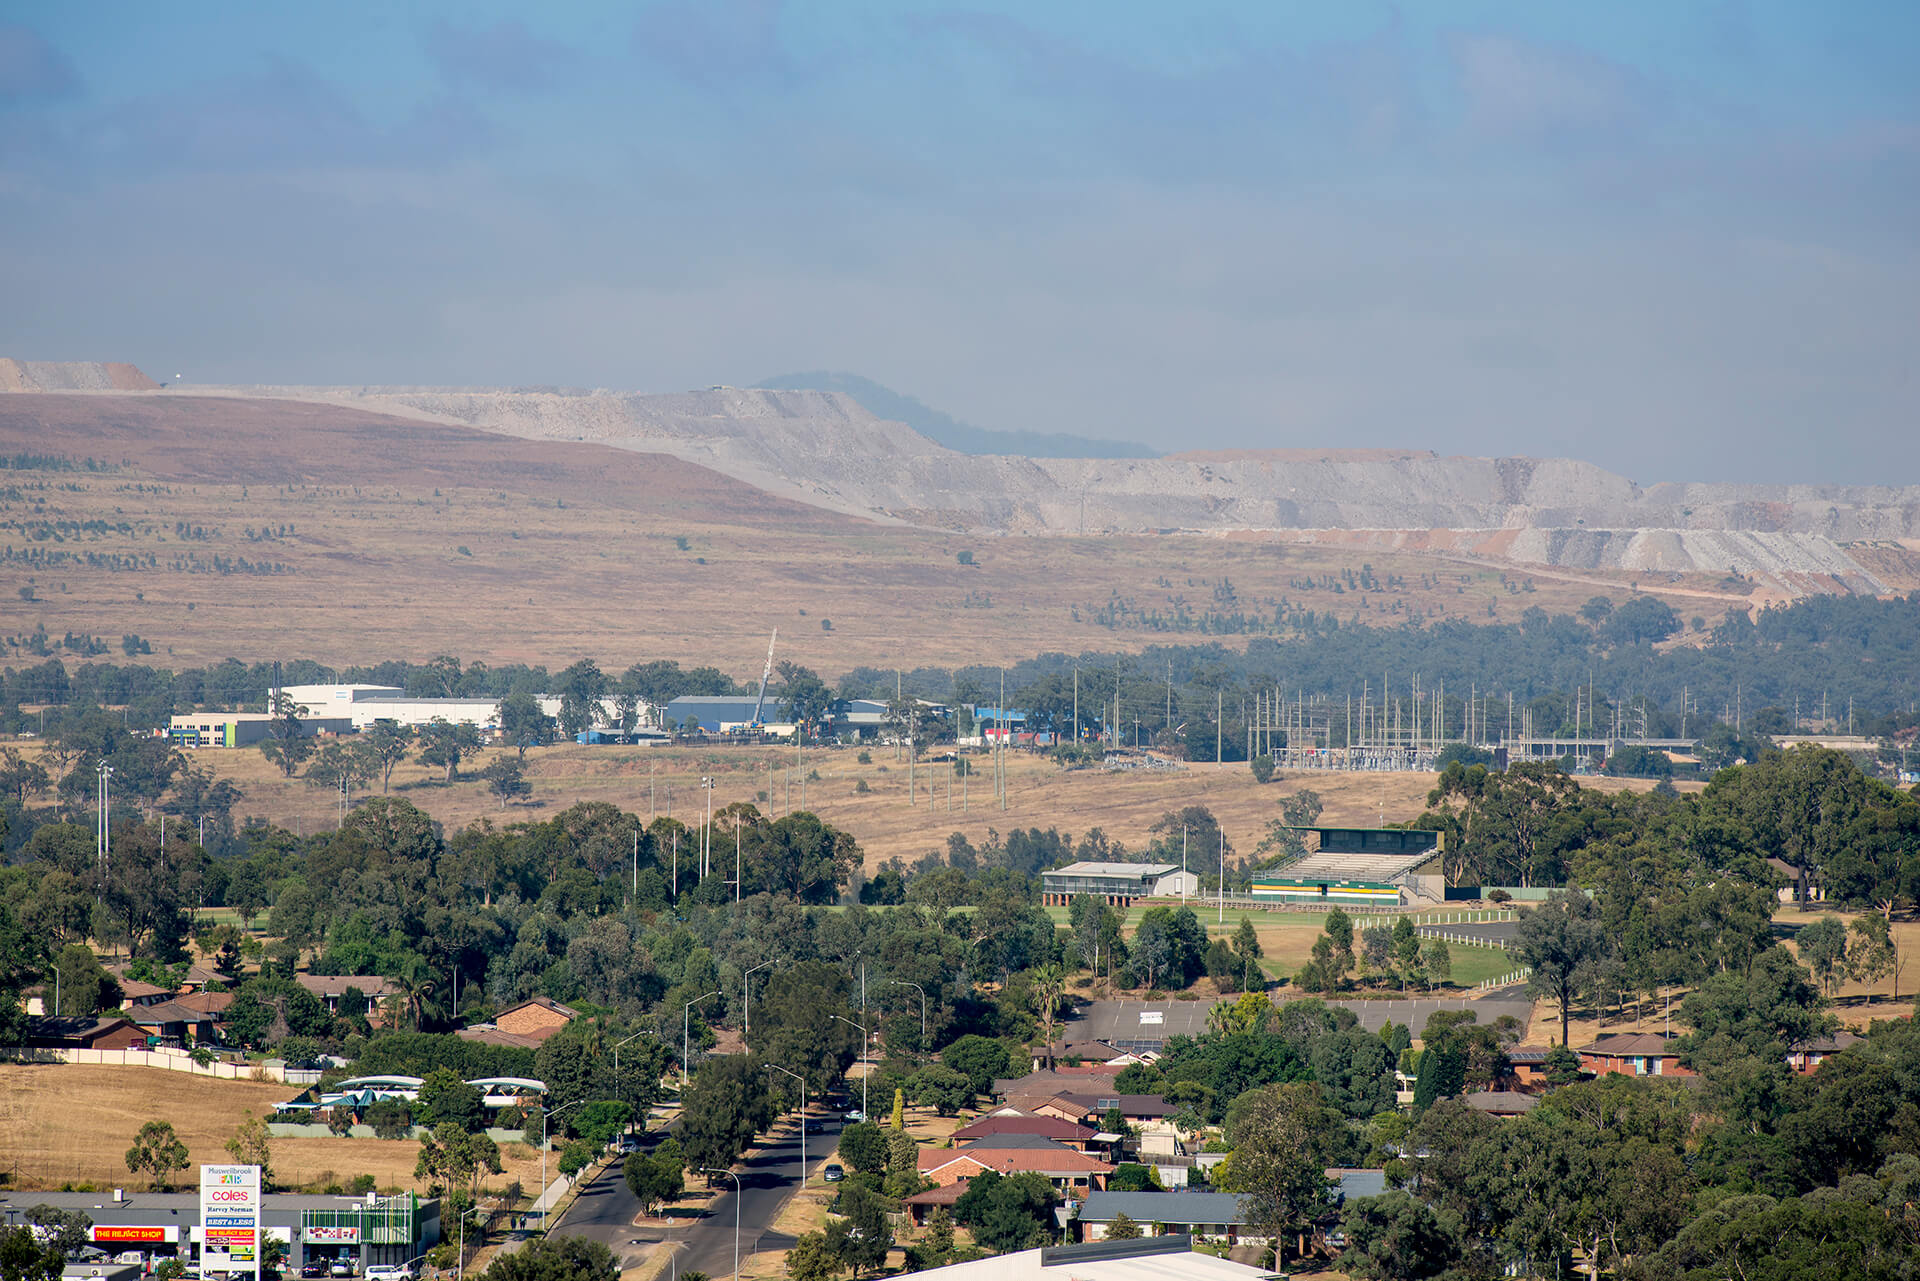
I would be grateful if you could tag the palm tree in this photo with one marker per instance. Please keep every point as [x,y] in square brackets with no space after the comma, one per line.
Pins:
[1049,984]
[411,990]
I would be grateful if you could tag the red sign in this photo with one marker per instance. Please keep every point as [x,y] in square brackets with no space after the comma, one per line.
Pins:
[152,1236]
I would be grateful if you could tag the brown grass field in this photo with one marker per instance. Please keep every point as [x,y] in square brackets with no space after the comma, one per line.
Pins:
[73,1123]
[645,781]
[405,539]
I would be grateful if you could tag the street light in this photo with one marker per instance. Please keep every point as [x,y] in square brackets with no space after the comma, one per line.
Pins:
[923,1007]
[686,1037]
[775,1067]
[645,1031]
[746,1001]
[736,1216]
[546,1116]
[866,1047]
[460,1271]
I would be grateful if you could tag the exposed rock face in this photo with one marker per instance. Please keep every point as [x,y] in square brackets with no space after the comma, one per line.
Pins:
[823,448]
[71,375]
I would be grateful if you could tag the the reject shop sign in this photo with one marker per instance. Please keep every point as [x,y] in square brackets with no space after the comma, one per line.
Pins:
[332,1235]
[230,1218]
[108,1234]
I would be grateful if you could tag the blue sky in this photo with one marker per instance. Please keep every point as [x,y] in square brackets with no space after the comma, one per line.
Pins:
[1678,240]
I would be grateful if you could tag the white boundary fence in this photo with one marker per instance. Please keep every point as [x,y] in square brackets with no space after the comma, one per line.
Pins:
[1520,975]
[166,1059]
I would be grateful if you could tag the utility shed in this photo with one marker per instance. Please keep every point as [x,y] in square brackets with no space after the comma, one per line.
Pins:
[1360,866]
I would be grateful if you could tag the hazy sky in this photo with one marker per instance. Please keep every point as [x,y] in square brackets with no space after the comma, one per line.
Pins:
[1676,239]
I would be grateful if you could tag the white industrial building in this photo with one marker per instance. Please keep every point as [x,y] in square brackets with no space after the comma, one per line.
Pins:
[364,705]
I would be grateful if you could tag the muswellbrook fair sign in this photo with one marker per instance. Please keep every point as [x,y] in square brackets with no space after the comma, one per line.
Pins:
[230,1219]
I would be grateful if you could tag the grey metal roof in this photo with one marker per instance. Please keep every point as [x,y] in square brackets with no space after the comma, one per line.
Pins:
[1352,1184]
[1133,870]
[1164,1207]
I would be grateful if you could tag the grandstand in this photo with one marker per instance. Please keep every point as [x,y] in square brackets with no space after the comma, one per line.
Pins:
[1354,866]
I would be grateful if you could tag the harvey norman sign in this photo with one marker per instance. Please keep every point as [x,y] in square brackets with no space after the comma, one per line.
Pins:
[230,1219]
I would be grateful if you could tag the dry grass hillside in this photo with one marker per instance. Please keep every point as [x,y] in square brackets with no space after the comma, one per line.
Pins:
[281,529]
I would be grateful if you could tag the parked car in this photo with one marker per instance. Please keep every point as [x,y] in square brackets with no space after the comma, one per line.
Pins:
[833,1172]
[313,1268]
[340,1268]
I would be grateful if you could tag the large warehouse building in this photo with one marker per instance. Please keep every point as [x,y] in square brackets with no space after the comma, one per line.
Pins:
[1354,866]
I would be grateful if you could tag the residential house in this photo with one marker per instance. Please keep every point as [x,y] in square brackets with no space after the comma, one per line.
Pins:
[1528,1066]
[172,1021]
[84,1032]
[1148,1111]
[1215,1215]
[1501,1103]
[1632,1054]
[331,987]
[537,1018]
[491,1034]
[1065,1054]
[1046,1084]
[1060,1165]
[921,1205]
[1070,1133]
[1806,1057]
[137,992]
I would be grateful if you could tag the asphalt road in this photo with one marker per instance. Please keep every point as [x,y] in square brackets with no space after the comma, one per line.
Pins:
[702,1239]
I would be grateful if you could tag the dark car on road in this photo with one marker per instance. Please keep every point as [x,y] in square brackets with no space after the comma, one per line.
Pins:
[816,1127]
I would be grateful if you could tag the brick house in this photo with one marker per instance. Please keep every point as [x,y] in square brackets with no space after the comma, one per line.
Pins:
[1632,1054]
[77,1032]
[536,1018]
[1061,1166]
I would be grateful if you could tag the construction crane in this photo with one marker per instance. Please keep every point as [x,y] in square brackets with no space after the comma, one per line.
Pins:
[766,674]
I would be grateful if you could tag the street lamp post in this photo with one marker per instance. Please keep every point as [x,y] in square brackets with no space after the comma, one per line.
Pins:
[545,1117]
[686,1037]
[775,1067]
[866,1046]
[746,1000]
[736,1216]
[460,1271]
[923,1007]
[645,1031]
